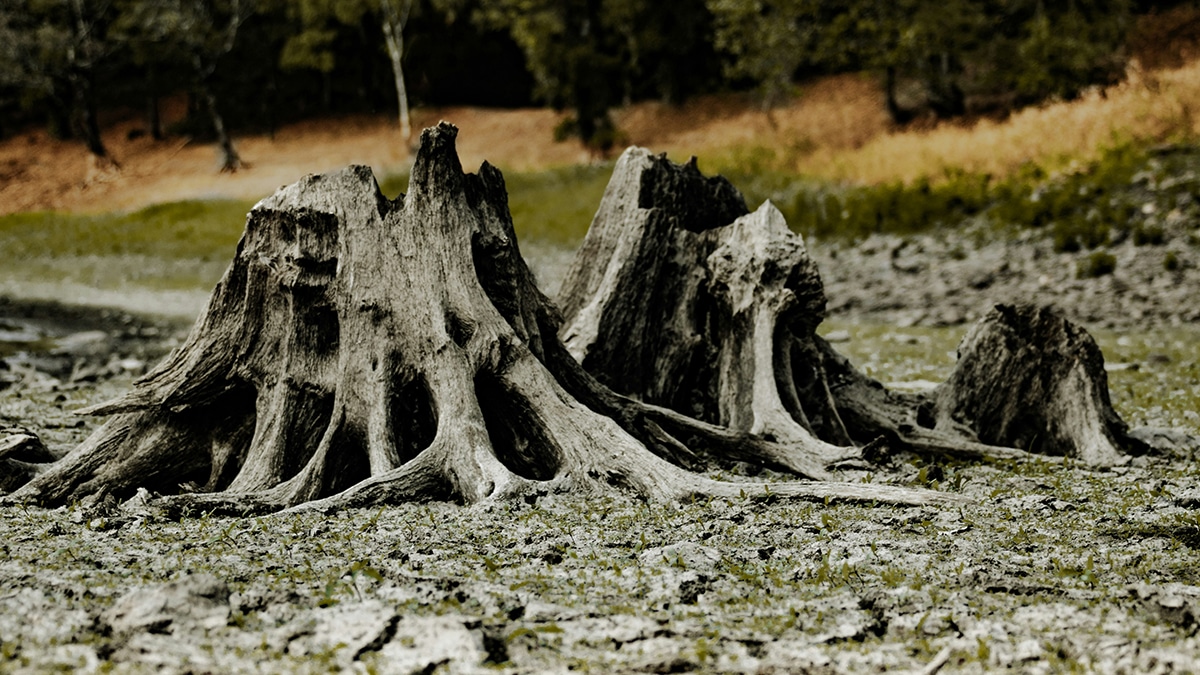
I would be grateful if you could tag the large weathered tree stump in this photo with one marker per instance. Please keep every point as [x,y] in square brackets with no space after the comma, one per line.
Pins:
[699,307]
[362,351]
[694,305]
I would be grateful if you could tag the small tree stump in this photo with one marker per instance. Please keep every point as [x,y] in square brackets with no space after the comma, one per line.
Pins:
[1028,378]
[22,456]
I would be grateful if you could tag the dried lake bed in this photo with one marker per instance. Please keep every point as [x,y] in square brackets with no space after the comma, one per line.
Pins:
[1053,566]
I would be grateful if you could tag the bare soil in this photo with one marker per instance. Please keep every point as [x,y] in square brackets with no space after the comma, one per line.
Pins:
[41,173]
[1051,568]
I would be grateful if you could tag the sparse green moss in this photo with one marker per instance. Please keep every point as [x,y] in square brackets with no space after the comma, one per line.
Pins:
[1149,234]
[1096,264]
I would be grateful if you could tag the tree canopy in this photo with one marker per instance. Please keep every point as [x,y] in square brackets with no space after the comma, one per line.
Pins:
[252,64]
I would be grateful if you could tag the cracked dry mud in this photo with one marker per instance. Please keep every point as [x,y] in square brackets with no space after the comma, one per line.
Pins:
[1052,567]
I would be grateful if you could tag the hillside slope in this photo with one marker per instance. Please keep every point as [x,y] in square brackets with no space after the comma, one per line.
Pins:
[836,128]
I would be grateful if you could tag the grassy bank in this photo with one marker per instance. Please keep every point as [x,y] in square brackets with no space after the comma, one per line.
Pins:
[1149,107]
[553,205]
[1130,190]
[186,245]
[1134,192]
[189,229]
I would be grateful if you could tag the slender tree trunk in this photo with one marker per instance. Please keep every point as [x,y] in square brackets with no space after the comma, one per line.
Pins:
[82,55]
[946,98]
[634,65]
[230,160]
[89,126]
[204,63]
[58,116]
[898,114]
[153,118]
[101,163]
[268,104]
[394,20]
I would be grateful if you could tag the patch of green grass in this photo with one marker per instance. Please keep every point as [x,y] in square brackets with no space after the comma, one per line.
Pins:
[554,206]
[202,230]
[1096,264]
[185,245]
[1157,382]
[898,354]
[393,185]
[1124,193]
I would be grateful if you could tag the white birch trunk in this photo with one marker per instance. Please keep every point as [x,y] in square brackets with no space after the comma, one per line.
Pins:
[394,20]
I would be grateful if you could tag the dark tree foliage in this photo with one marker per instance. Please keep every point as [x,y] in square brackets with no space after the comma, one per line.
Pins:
[460,62]
[52,55]
[961,54]
[572,49]
[254,65]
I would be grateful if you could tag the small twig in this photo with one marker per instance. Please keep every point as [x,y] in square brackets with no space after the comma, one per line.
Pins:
[942,658]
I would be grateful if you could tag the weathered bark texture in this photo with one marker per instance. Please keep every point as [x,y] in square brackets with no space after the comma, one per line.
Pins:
[360,351]
[1028,378]
[680,298]
[696,306]
[22,456]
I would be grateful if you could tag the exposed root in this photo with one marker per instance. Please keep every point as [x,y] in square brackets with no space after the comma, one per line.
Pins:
[900,420]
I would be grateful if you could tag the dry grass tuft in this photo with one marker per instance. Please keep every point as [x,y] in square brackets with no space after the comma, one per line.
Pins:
[829,115]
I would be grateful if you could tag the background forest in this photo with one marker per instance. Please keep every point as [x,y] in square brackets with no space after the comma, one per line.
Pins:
[253,65]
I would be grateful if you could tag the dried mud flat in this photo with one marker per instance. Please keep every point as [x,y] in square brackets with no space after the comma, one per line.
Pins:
[948,279]
[1053,567]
